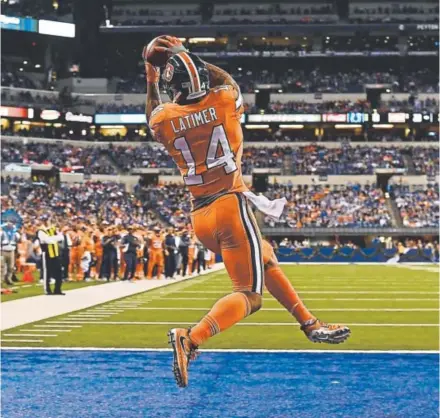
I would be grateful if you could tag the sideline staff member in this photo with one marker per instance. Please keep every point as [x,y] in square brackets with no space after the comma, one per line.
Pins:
[9,239]
[49,240]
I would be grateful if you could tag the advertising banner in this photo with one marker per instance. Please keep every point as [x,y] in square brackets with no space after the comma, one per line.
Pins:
[16,112]
[24,24]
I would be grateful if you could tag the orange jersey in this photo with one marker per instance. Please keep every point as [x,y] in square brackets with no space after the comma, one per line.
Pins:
[76,238]
[205,140]
[156,243]
[88,244]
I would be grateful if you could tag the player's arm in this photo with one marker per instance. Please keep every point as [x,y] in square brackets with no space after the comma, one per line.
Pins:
[49,239]
[219,77]
[153,93]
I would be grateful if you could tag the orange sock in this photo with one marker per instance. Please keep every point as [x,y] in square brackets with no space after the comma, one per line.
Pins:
[282,290]
[226,312]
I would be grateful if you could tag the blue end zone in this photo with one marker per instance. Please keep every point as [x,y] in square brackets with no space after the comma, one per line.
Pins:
[99,384]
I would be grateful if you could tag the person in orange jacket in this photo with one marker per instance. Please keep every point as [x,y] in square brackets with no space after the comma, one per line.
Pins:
[75,254]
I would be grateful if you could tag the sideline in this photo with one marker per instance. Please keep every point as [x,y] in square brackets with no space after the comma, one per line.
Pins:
[223,350]
[36,308]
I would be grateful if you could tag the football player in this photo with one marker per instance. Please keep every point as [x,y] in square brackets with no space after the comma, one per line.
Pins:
[156,253]
[201,130]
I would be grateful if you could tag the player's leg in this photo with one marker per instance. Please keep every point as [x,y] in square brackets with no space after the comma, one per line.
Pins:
[241,249]
[79,269]
[151,265]
[227,226]
[72,262]
[160,264]
[282,290]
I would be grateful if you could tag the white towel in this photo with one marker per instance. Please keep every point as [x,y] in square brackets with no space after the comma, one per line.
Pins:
[272,208]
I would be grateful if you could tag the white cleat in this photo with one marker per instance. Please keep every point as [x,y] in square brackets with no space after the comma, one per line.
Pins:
[320,332]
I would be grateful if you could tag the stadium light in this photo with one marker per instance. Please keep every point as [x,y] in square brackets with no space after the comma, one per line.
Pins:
[256,126]
[347,126]
[37,66]
[383,126]
[197,40]
[282,126]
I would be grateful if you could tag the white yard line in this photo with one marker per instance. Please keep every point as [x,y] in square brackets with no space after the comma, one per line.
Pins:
[324,288]
[56,326]
[431,268]
[102,310]
[394,292]
[27,310]
[180,309]
[30,335]
[224,350]
[44,330]
[19,341]
[271,299]
[245,324]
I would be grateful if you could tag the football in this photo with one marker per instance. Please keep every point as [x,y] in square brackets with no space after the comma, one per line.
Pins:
[156,53]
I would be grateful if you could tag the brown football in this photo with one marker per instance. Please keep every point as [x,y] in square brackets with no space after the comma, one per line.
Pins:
[155,57]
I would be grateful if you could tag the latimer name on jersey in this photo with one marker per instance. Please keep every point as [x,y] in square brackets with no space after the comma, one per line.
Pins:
[193,120]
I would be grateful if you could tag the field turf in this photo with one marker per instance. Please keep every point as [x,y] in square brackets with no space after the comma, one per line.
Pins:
[387,308]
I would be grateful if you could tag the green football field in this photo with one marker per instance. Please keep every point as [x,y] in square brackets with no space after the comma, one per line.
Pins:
[387,308]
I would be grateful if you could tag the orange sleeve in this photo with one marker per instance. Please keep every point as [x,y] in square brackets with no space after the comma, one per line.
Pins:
[156,120]
[227,94]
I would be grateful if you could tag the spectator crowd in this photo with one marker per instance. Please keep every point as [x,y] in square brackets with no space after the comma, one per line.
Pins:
[305,160]
[420,207]
[351,205]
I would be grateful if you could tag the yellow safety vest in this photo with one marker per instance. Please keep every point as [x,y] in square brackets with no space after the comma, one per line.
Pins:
[52,249]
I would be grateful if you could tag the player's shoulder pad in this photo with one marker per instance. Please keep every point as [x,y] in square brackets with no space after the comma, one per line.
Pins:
[157,115]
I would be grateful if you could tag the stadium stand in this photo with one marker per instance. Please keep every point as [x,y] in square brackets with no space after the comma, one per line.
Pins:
[172,202]
[365,12]
[67,158]
[319,206]
[419,206]
[91,202]
[311,81]
[127,158]
[314,158]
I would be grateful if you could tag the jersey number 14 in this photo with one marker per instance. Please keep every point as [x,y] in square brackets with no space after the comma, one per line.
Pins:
[218,137]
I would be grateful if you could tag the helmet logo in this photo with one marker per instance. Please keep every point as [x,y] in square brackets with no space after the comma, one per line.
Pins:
[168,72]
